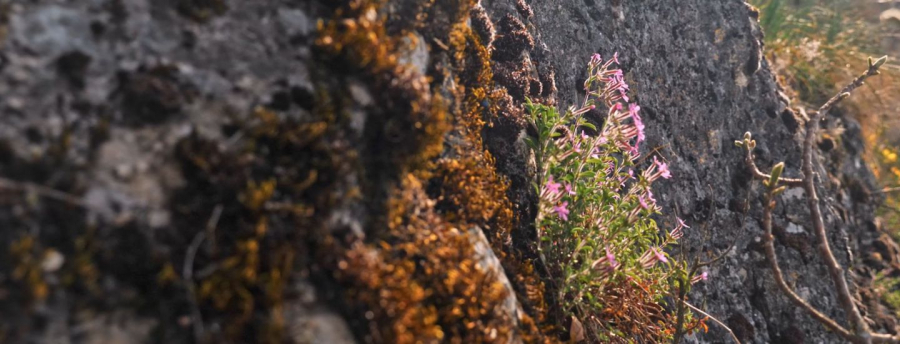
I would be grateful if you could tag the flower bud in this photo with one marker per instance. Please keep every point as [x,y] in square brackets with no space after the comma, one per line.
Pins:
[752,144]
[776,173]
[747,136]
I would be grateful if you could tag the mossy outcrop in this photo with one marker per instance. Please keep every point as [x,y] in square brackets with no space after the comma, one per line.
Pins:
[354,170]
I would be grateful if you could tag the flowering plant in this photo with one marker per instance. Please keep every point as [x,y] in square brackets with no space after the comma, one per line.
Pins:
[597,238]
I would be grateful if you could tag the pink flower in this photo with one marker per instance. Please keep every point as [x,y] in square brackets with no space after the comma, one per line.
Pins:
[596,59]
[647,201]
[569,189]
[653,255]
[702,277]
[659,255]
[552,187]
[561,211]
[638,123]
[662,168]
[611,259]
[681,223]
[643,202]
[616,57]
[678,232]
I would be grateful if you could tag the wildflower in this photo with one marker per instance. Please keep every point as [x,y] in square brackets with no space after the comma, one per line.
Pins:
[653,255]
[658,169]
[611,259]
[582,110]
[561,211]
[663,168]
[552,186]
[638,123]
[643,202]
[570,190]
[596,59]
[678,232]
[659,255]
[647,201]
[702,277]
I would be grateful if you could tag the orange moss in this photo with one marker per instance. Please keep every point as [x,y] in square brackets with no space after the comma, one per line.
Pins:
[418,281]
[423,283]
[472,191]
[357,43]
[28,255]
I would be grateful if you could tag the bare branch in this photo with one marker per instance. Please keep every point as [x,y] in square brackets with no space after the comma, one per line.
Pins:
[764,176]
[835,271]
[861,333]
[769,242]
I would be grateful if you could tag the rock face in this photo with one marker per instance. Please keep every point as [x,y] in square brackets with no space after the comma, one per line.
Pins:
[201,164]
[696,69]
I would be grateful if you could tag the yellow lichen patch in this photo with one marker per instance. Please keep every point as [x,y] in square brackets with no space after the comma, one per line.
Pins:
[27,255]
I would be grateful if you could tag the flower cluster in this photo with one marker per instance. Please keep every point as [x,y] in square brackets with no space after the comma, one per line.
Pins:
[596,203]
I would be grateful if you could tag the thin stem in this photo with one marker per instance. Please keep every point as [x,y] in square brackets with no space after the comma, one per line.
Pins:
[769,243]
[835,271]
[764,176]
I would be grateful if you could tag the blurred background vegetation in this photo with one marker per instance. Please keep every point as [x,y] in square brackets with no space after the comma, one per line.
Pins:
[817,46]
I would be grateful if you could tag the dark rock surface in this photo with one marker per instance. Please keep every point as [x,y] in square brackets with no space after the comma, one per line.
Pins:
[695,68]
[110,100]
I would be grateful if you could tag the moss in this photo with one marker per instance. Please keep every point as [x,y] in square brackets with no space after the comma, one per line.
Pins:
[524,9]
[416,280]
[513,39]
[253,245]
[472,190]
[423,284]
[482,25]
[28,254]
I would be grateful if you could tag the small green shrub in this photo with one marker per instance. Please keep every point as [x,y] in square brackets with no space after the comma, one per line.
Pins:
[605,253]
